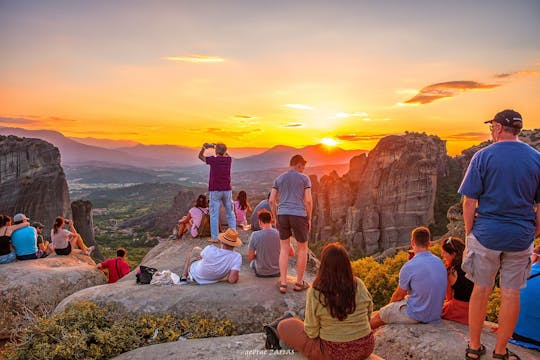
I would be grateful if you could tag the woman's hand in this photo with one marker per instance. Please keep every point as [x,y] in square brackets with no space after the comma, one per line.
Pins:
[452,276]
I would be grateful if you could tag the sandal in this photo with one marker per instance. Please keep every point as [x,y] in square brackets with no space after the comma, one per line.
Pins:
[301,286]
[283,288]
[505,356]
[478,352]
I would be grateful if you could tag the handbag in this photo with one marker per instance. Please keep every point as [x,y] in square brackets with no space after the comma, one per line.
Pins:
[145,274]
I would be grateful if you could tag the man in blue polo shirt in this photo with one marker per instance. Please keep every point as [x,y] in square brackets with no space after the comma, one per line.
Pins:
[24,240]
[420,294]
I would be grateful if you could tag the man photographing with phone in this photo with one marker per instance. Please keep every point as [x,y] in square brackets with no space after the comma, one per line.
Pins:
[219,186]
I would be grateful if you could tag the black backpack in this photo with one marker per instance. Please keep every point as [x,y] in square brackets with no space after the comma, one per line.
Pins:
[145,275]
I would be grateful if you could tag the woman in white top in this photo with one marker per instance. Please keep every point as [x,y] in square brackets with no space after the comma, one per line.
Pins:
[67,241]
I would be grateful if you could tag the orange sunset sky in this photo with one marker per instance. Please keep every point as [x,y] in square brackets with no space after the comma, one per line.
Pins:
[262,73]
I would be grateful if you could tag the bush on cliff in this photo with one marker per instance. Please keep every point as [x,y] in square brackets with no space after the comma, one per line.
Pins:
[87,331]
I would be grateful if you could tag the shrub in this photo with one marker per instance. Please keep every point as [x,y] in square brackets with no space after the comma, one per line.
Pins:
[87,331]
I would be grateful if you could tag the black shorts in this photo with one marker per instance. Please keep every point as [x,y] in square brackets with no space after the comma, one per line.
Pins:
[293,225]
[64,251]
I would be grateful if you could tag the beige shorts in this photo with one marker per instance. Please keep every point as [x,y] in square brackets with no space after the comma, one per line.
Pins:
[482,265]
[395,313]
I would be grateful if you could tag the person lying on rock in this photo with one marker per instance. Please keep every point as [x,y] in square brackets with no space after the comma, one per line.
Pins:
[24,240]
[116,267]
[420,294]
[69,241]
[338,307]
[7,251]
[192,220]
[212,263]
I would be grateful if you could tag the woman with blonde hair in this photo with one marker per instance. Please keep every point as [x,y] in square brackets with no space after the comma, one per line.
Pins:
[69,241]
[338,308]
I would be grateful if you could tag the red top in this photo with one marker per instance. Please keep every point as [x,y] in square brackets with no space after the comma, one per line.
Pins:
[118,268]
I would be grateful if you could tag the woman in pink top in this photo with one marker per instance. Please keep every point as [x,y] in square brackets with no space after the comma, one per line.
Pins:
[69,241]
[192,220]
[241,207]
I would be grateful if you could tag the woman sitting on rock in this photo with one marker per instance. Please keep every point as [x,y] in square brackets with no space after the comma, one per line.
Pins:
[241,207]
[458,293]
[338,308]
[69,241]
[7,253]
[192,220]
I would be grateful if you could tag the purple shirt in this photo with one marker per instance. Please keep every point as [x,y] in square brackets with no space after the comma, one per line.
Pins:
[220,173]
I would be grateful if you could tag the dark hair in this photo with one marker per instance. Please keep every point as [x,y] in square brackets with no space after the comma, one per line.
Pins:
[242,199]
[201,201]
[421,236]
[120,252]
[265,216]
[512,130]
[3,220]
[58,223]
[335,282]
[297,159]
[454,245]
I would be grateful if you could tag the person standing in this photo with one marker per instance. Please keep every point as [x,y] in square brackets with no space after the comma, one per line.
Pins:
[219,186]
[291,204]
[500,191]
[117,267]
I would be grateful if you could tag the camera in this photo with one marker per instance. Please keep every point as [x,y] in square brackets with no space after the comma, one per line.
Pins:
[209,145]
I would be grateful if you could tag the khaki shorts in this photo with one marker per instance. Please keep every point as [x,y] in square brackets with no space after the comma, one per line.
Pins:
[395,313]
[482,265]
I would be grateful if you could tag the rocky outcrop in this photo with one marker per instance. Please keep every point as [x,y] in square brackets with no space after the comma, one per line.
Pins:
[83,220]
[35,287]
[31,180]
[250,303]
[383,197]
[162,222]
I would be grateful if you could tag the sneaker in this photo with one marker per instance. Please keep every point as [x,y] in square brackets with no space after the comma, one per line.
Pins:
[89,250]
[183,280]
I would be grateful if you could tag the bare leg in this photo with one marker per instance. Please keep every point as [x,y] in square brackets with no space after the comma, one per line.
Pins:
[284,259]
[508,316]
[477,314]
[301,260]
[193,255]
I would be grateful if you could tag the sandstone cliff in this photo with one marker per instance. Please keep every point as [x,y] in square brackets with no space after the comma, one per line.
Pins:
[384,195]
[34,287]
[32,180]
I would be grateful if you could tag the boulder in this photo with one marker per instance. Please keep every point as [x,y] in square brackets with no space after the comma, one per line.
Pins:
[83,220]
[34,287]
[250,303]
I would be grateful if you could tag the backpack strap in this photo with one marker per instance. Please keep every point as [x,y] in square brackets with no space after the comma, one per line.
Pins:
[533,276]
[118,271]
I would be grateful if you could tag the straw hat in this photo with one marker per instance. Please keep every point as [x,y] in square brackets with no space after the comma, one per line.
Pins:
[230,237]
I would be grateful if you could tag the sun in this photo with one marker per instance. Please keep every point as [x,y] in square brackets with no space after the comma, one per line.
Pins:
[329,142]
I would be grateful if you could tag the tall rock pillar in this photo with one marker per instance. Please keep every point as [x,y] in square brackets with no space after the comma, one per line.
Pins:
[83,220]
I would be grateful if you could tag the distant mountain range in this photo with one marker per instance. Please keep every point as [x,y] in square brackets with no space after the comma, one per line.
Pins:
[85,151]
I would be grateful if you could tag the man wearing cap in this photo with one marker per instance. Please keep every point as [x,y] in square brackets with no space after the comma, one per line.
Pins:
[219,186]
[501,190]
[43,245]
[291,204]
[212,263]
[24,240]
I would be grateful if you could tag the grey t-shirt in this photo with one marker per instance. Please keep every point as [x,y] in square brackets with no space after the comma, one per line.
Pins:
[291,186]
[255,215]
[267,246]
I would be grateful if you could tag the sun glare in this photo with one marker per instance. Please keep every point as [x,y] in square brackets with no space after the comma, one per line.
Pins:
[329,142]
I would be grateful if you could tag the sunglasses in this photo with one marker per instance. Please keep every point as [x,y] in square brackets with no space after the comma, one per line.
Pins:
[449,242]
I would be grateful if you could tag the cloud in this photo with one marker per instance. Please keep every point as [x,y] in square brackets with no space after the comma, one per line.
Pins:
[443,90]
[469,136]
[356,137]
[299,106]
[520,73]
[247,117]
[17,120]
[293,125]
[194,58]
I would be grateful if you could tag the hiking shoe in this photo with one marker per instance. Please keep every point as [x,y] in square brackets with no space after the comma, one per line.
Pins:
[183,281]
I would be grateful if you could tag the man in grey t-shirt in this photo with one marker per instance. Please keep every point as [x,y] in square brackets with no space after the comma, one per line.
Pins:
[264,247]
[291,204]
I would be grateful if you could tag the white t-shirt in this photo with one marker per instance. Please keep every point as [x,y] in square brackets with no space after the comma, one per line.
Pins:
[216,263]
[60,239]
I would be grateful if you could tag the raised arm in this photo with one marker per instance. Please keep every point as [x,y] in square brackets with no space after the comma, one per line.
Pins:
[201,154]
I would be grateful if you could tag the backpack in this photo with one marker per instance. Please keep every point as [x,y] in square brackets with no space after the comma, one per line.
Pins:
[204,227]
[145,274]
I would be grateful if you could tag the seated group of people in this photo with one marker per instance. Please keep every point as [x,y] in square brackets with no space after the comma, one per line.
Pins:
[20,240]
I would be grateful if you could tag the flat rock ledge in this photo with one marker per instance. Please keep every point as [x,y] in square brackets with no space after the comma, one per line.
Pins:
[250,303]
[35,287]
[444,341]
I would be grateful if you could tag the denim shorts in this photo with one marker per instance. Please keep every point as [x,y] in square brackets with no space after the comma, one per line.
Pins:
[482,265]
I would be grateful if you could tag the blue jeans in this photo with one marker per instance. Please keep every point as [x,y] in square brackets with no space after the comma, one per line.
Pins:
[216,199]
[6,259]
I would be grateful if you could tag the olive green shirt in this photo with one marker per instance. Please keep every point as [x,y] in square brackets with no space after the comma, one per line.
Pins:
[319,322]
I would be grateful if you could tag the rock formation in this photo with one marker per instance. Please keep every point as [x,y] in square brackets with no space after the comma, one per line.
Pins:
[250,303]
[31,180]
[384,195]
[83,220]
[34,287]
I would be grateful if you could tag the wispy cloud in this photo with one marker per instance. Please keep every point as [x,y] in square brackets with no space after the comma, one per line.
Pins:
[469,136]
[443,90]
[194,58]
[17,120]
[348,115]
[299,106]
[357,137]
[520,73]
[247,117]
[293,125]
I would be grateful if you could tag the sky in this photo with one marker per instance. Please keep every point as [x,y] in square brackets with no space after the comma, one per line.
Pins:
[262,73]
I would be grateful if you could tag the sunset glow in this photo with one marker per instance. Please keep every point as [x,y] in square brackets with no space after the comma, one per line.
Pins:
[291,73]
